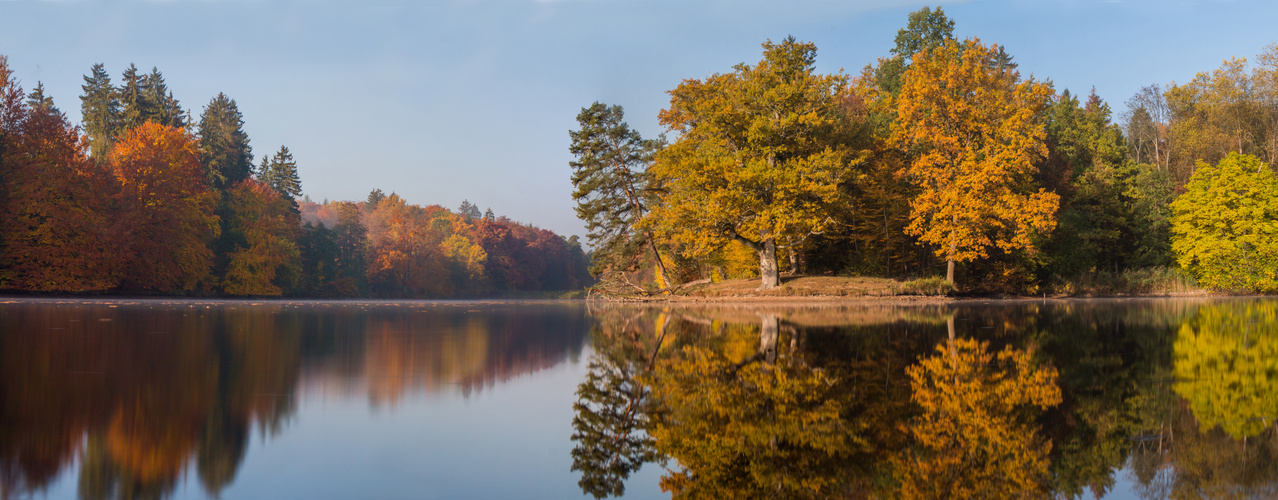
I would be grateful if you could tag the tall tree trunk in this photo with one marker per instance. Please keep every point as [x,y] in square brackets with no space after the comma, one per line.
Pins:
[949,259]
[768,264]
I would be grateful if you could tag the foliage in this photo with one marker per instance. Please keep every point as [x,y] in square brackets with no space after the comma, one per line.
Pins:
[974,437]
[224,147]
[1223,229]
[167,209]
[760,156]
[100,107]
[971,127]
[268,229]
[281,174]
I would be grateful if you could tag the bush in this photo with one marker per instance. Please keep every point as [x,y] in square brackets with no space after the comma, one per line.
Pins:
[1131,281]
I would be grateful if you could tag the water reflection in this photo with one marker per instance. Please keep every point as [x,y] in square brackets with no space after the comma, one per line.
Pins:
[1165,398]
[140,393]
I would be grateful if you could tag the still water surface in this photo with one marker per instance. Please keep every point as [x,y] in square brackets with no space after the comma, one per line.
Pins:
[191,399]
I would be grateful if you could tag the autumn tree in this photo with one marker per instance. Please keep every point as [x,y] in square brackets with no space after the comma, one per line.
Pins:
[760,156]
[266,259]
[973,131]
[1222,226]
[224,147]
[100,108]
[55,224]
[611,187]
[168,217]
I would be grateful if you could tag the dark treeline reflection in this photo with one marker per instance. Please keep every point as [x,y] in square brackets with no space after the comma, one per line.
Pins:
[1021,400]
[140,393]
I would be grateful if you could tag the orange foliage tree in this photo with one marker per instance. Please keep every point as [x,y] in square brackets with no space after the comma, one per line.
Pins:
[267,228]
[166,209]
[973,131]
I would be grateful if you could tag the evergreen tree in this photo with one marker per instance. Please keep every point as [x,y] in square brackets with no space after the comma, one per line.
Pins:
[281,174]
[100,108]
[37,100]
[488,214]
[927,29]
[468,211]
[167,110]
[611,188]
[224,147]
[374,197]
[135,99]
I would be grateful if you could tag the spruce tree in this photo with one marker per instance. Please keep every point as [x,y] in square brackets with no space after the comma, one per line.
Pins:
[167,109]
[135,99]
[281,174]
[611,188]
[37,100]
[468,211]
[100,108]
[374,197]
[224,147]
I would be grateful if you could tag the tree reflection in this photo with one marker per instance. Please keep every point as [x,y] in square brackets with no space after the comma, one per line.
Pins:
[1227,366]
[976,436]
[611,423]
[751,427]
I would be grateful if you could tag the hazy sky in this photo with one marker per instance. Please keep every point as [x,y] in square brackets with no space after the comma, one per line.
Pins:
[445,100]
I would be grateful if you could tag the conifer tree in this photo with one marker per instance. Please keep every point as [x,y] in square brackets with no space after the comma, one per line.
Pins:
[224,147]
[135,99]
[167,109]
[100,107]
[468,211]
[611,188]
[374,197]
[37,100]
[281,174]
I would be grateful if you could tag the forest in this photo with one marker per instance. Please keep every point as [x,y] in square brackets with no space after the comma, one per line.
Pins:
[939,159]
[141,198]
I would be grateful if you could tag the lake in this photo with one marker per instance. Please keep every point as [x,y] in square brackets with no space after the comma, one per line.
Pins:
[1136,398]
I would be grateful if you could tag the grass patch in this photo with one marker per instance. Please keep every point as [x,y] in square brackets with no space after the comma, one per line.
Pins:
[935,285]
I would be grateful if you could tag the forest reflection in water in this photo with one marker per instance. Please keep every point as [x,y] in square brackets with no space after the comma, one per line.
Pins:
[1157,398]
[139,392]
[1061,399]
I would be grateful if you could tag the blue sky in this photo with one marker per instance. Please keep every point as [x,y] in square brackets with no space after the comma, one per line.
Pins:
[441,101]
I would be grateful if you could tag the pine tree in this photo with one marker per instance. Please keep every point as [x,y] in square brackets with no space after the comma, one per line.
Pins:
[281,174]
[224,147]
[611,188]
[135,99]
[488,214]
[100,107]
[374,197]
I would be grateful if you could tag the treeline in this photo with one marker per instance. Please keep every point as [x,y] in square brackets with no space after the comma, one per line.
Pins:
[142,199]
[940,157]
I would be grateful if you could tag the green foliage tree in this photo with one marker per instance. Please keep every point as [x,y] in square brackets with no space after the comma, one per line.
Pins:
[37,100]
[166,108]
[1223,226]
[100,109]
[281,174]
[611,188]
[760,156]
[224,147]
[468,211]
[136,101]
[927,29]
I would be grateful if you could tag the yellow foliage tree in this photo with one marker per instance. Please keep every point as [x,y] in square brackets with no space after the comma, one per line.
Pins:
[1226,366]
[972,129]
[760,156]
